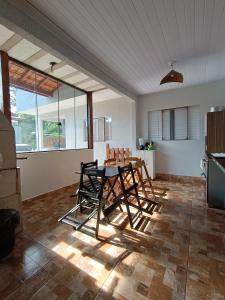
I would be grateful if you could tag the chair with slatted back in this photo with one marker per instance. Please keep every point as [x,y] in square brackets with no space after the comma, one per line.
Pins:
[145,185]
[110,162]
[137,169]
[130,195]
[90,195]
[157,191]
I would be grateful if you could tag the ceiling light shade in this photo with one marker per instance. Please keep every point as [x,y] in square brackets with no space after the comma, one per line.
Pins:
[172,76]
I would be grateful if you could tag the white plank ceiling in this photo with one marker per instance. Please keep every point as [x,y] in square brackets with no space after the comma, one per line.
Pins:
[136,39]
[25,51]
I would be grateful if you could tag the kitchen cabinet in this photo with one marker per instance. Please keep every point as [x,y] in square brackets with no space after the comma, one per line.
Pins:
[215,140]
[216,182]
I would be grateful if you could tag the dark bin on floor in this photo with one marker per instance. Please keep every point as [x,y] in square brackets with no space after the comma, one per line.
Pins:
[9,219]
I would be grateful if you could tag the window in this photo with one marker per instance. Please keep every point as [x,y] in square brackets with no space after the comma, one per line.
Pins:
[193,123]
[180,125]
[174,124]
[108,129]
[155,125]
[46,113]
[81,117]
[102,129]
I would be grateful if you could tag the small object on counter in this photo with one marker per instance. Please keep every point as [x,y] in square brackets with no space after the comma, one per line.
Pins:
[146,145]
[141,144]
[141,147]
[151,146]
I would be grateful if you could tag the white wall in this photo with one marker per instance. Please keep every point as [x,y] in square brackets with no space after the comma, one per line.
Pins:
[122,111]
[180,157]
[43,172]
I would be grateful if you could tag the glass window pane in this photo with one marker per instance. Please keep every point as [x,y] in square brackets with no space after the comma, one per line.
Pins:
[67,116]
[194,122]
[23,107]
[81,119]
[180,123]
[48,120]
[46,114]
[99,129]
[166,124]
[108,129]
[155,125]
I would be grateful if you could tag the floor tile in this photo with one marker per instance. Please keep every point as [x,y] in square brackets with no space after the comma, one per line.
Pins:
[176,253]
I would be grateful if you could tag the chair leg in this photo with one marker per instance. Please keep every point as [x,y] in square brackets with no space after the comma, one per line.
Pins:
[79,200]
[120,207]
[138,199]
[98,220]
[129,213]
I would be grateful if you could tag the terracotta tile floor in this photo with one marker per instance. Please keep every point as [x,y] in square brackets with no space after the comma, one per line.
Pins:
[178,253]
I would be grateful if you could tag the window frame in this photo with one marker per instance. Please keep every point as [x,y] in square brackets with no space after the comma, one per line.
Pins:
[65,83]
[172,121]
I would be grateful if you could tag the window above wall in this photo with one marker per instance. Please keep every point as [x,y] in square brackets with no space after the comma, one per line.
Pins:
[182,123]
[47,114]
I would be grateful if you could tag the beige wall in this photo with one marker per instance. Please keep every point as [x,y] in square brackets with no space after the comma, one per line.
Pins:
[43,172]
[180,157]
[123,114]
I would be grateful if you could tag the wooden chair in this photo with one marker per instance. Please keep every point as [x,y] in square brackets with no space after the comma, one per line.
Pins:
[145,186]
[137,169]
[110,162]
[130,195]
[156,191]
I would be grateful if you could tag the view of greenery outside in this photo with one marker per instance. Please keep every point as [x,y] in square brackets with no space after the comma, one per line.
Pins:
[50,128]
[27,123]
[53,134]
[24,126]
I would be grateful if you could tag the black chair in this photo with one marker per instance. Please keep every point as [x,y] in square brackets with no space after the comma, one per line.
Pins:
[88,184]
[89,195]
[131,197]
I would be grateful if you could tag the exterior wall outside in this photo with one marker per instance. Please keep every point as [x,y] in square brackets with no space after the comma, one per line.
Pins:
[180,157]
[72,131]
[43,172]
[122,112]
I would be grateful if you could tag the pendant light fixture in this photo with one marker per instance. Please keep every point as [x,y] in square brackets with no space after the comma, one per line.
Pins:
[172,76]
[52,65]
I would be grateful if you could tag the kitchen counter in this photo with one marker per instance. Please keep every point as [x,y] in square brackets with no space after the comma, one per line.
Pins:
[216,181]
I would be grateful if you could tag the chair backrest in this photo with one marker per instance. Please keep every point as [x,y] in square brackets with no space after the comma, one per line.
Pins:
[124,173]
[132,159]
[86,166]
[137,167]
[92,179]
[110,162]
